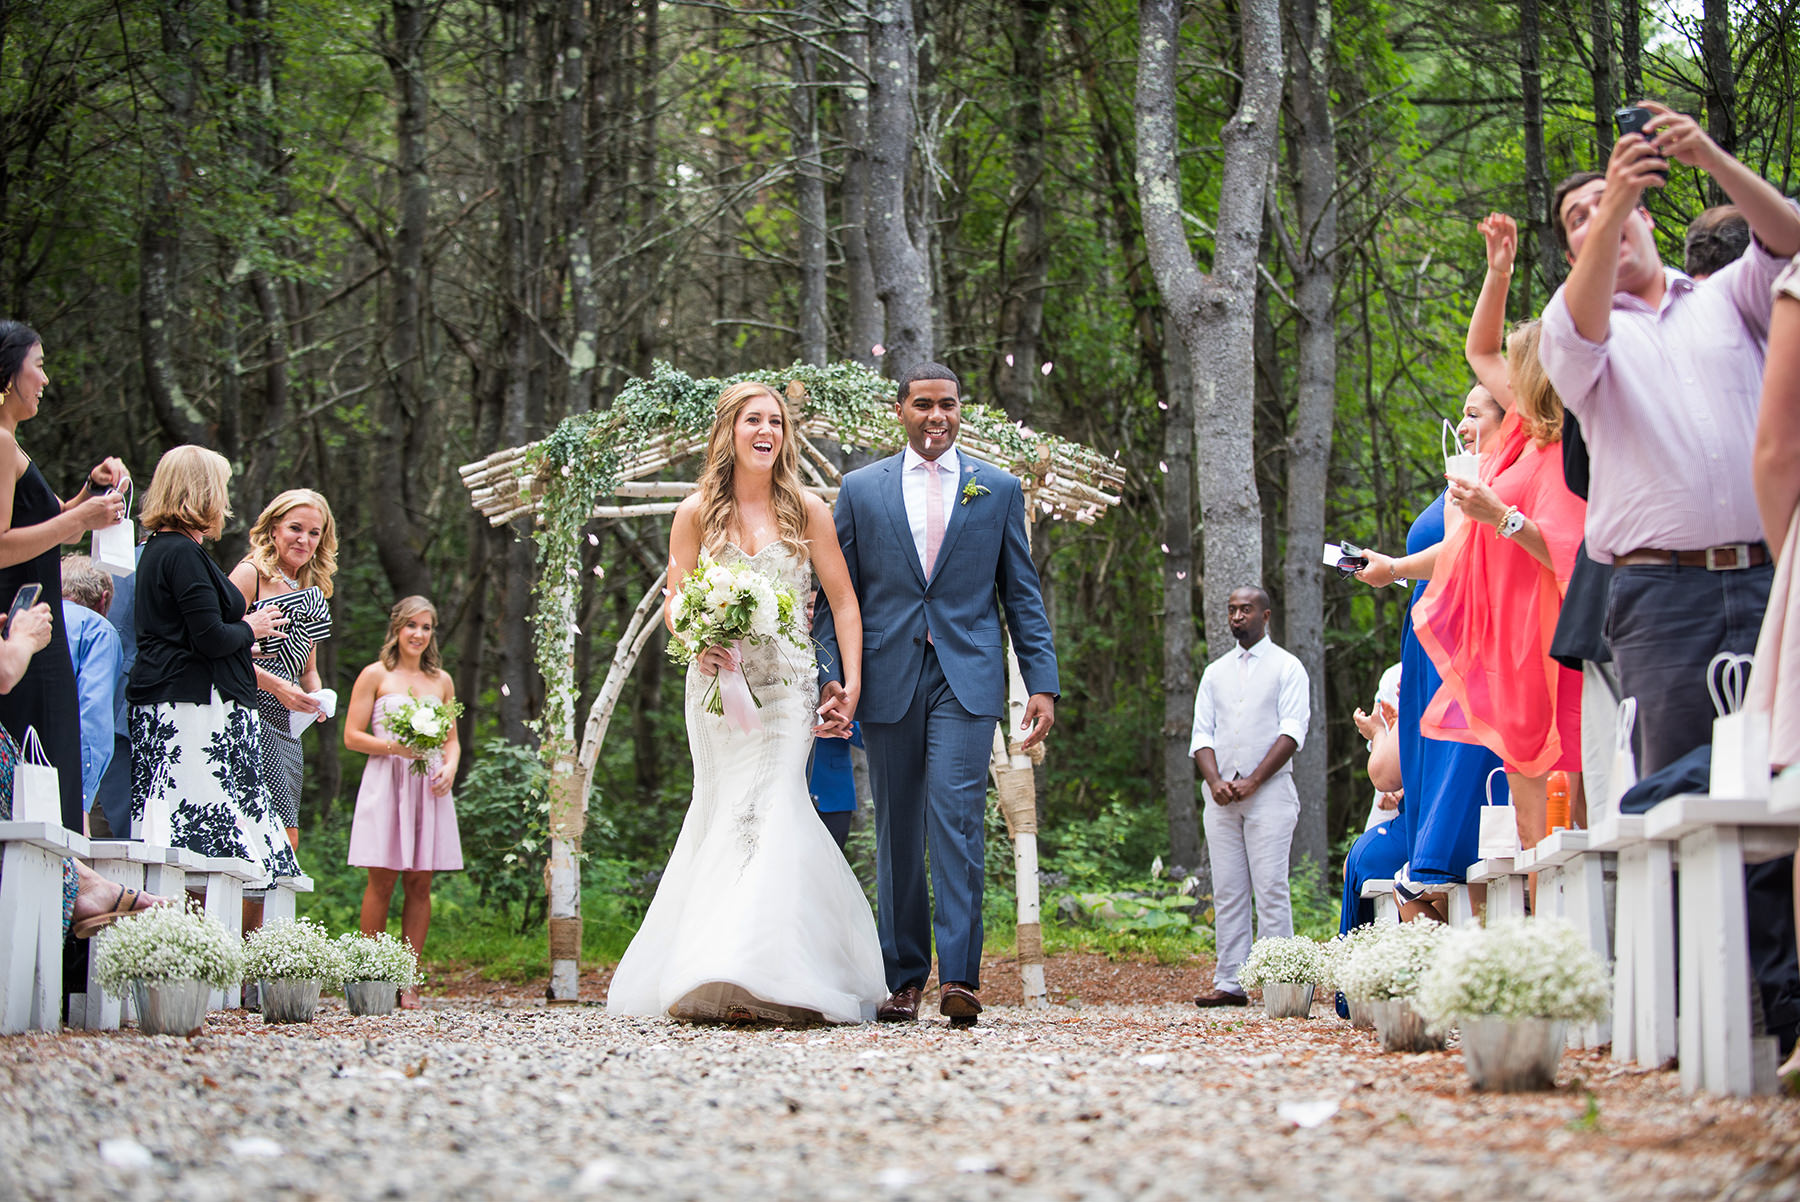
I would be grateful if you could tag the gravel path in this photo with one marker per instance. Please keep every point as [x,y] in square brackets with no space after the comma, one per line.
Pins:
[473,1100]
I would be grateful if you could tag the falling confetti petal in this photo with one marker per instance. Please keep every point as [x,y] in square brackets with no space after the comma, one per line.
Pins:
[567,471]
[1163,464]
[1045,369]
[1306,1114]
[506,690]
[878,350]
[593,540]
[1009,361]
[574,629]
[1165,547]
[1181,575]
[599,571]
[572,573]
[1162,404]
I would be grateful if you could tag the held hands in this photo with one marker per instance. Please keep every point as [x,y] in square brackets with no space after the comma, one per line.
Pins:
[1476,500]
[32,628]
[837,710]
[1227,791]
[1501,233]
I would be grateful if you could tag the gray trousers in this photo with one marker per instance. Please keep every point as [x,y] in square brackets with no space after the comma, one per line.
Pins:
[1248,842]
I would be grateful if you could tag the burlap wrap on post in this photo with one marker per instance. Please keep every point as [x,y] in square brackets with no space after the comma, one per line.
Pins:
[1031,943]
[1018,801]
[565,938]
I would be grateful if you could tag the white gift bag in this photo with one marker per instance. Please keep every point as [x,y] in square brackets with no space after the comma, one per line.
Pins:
[37,793]
[156,826]
[1499,839]
[1466,464]
[115,546]
[1623,774]
[1740,742]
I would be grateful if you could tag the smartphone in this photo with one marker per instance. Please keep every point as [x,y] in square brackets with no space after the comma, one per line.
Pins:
[1635,120]
[25,598]
[1352,560]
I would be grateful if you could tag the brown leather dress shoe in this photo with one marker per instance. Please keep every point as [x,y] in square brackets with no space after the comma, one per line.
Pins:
[958,1003]
[1220,997]
[902,1006]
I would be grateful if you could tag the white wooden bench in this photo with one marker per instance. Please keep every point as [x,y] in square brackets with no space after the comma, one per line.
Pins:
[1715,837]
[1643,1011]
[129,863]
[1381,891]
[31,930]
[1507,887]
[280,899]
[1572,887]
[221,879]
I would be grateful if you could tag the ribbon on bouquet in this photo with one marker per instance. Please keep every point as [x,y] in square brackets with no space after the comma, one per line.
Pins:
[734,694]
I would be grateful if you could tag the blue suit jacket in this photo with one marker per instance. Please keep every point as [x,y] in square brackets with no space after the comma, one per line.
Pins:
[983,566]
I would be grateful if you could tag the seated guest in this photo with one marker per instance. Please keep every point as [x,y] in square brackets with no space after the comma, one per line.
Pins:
[94,648]
[1381,849]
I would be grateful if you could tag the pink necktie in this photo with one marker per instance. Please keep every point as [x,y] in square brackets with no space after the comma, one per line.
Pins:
[934,514]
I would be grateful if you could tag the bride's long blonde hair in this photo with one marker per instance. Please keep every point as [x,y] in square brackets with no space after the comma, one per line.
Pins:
[718,505]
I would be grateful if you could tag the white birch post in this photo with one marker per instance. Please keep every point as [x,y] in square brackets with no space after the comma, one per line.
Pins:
[568,799]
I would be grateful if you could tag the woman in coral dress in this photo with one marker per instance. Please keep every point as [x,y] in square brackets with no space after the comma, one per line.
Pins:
[405,825]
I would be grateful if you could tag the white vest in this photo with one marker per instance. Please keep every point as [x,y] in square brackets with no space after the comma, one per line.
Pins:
[1246,710]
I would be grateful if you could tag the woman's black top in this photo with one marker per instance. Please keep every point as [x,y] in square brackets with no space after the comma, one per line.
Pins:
[191,636]
[45,697]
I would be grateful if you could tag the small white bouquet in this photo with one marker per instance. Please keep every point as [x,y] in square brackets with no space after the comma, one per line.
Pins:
[293,951]
[1389,965]
[720,605]
[379,957]
[165,944]
[1295,961]
[1339,950]
[1520,969]
[423,724]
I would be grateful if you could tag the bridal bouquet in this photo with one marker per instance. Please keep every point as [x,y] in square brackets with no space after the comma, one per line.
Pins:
[422,724]
[722,605]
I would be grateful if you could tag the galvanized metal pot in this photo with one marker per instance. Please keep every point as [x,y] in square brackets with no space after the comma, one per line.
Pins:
[1282,1000]
[287,1000]
[370,997]
[170,1007]
[1513,1055]
[1362,1012]
[1402,1030]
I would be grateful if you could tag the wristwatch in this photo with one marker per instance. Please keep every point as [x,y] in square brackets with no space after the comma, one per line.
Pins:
[1512,523]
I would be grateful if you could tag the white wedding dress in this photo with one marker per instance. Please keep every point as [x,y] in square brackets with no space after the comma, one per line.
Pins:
[757,912]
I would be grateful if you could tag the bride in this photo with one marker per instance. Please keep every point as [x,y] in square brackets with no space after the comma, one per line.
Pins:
[757,916]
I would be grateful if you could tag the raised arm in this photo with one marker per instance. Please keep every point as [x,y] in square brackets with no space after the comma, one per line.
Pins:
[1771,217]
[88,511]
[1775,467]
[1634,166]
[1485,345]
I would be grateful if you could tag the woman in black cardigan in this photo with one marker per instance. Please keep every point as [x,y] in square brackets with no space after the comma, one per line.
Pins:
[194,747]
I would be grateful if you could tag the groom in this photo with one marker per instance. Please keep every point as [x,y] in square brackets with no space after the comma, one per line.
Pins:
[935,543]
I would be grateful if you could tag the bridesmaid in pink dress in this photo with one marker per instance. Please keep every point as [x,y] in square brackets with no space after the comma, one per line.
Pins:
[405,825]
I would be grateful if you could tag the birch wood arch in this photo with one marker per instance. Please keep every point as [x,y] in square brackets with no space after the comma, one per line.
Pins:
[624,462]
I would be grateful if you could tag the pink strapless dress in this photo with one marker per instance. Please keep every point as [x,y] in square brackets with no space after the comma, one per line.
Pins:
[400,824]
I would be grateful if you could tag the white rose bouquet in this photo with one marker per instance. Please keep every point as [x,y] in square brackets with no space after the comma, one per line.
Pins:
[422,724]
[720,605]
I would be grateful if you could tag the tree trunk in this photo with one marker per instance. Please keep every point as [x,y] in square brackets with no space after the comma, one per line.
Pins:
[1213,313]
[1178,609]
[1631,51]
[1721,85]
[1314,268]
[810,189]
[1541,248]
[897,259]
[1606,94]
[865,320]
[583,309]
[1022,305]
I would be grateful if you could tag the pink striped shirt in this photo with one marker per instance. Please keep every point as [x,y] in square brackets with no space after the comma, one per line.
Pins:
[1668,408]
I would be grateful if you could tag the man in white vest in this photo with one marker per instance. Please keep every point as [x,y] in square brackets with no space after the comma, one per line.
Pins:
[1250,716]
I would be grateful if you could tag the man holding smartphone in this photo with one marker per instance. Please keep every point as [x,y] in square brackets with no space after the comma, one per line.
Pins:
[1665,375]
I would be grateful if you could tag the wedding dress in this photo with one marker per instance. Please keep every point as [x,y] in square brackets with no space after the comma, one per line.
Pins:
[757,912]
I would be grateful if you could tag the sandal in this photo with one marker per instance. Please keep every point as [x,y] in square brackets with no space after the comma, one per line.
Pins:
[123,905]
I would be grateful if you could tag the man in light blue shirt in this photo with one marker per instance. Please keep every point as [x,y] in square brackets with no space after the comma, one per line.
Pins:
[94,649]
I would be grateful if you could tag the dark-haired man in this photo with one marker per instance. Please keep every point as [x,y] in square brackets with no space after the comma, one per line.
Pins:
[935,542]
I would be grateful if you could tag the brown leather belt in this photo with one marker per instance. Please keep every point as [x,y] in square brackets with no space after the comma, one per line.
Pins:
[1727,558]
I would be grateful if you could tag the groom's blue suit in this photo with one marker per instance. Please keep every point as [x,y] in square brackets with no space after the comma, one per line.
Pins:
[929,705]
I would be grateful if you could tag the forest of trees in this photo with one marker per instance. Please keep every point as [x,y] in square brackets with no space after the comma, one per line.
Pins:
[354,244]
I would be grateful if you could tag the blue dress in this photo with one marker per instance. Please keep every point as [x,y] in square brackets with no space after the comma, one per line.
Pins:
[1377,854]
[1445,782]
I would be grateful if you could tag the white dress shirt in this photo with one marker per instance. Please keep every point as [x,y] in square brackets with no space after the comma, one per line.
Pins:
[912,490]
[1248,698]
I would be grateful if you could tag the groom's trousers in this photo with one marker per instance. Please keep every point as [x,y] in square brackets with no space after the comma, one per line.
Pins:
[929,775]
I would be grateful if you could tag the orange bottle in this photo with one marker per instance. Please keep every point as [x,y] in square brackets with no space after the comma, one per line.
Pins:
[1556,801]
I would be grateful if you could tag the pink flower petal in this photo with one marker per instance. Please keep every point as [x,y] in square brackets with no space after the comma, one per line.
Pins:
[1009,361]
[1045,369]
[506,690]
[878,350]
[1163,464]
[1181,575]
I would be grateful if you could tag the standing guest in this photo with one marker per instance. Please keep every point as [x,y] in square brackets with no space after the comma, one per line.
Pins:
[1250,715]
[112,800]
[293,547]
[194,749]
[1666,377]
[34,524]
[87,594]
[405,824]
[1443,781]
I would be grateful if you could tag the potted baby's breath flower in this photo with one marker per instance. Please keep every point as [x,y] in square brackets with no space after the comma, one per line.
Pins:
[376,968]
[170,959]
[1337,954]
[1386,970]
[292,961]
[1513,989]
[1287,971]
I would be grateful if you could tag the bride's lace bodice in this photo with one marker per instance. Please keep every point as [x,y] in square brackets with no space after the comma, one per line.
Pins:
[770,666]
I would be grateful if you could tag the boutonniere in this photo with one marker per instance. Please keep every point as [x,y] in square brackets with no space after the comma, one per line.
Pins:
[971,490]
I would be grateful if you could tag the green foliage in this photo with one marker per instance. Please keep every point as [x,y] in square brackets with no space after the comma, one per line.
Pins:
[503,816]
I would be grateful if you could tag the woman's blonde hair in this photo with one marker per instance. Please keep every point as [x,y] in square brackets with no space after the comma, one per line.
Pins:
[189,492]
[1540,409]
[718,505]
[431,660]
[318,570]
